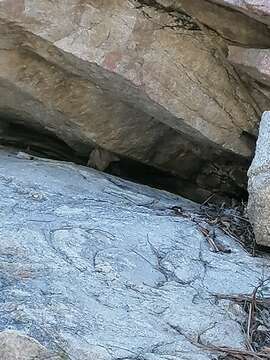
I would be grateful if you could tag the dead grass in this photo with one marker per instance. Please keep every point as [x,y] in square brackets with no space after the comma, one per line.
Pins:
[234,223]
[256,326]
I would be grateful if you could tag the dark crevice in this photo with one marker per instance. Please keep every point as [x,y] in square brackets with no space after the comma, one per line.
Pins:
[38,142]
[208,179]
[181,18]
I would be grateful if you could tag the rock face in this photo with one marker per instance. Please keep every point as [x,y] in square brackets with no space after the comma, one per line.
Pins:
[135,60]
[254,68]
[95,267]
[259,9]
[142,79]
[16,346]
[256,62]
[175,85]
[259,185]
[244,29]
[233,26]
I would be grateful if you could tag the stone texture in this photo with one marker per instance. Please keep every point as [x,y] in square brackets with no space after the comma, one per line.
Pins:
[232,25]
[253,68]
[259,9]
[259,185]
[145,83]
[98,268]
[108,123]
[16,346]
[255,62]
[131,53]
[243,37]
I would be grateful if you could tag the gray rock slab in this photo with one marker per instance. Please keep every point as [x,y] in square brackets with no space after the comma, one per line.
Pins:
[259,184]
[95,267]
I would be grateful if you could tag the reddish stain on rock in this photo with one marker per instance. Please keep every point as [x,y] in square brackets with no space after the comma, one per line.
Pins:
[112,60]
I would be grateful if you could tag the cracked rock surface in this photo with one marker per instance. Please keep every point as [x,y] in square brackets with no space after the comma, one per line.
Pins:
[141,79]
[259,9]
[95,267]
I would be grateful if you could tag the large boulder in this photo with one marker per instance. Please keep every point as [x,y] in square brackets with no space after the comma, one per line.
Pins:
[259,184]
[258,9]
[95,267]
[143,82]
[152,60]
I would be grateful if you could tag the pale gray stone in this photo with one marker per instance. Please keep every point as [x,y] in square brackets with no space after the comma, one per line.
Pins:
[259,184]
[95,267]
[16,346]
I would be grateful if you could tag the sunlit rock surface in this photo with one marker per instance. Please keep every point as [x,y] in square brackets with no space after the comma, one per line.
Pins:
[95,267]
[259,185]
[145,83]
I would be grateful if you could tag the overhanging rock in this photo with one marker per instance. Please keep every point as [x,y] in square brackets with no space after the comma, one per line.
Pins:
[144,84]
[167,71]
[258,9]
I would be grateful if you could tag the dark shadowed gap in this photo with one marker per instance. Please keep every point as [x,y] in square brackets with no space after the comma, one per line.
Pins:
[42,143]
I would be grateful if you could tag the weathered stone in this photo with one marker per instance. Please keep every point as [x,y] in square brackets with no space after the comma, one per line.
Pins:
[259,185]
[98,268]
[255,62]
[133,57]
[16,346]
[139,83]
[259,9]
[259,92]
[253,67]
[234,26]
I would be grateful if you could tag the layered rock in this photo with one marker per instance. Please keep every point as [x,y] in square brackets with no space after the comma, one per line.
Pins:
[243,29]
[252,59]
[253,66]
[259,9]
[259,185]
[255,62]
[95,267]
[227,21]
[143,82]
